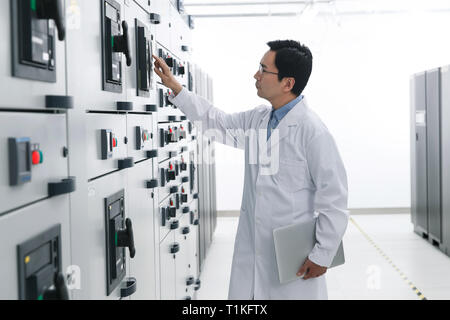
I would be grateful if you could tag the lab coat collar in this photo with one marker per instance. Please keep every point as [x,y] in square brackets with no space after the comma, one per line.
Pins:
[291,120]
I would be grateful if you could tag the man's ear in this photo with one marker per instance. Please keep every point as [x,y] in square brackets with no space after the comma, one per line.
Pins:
[290,83]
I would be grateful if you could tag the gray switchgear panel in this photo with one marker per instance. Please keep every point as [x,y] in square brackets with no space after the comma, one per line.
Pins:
[34,24]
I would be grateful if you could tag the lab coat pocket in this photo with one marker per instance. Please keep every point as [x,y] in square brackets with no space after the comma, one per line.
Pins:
[291,175]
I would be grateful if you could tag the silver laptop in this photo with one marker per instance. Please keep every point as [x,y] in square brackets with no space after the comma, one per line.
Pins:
[293,244]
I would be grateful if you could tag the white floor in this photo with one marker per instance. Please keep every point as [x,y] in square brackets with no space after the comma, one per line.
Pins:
[385,260]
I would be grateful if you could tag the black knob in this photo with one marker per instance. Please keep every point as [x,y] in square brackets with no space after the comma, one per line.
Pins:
[184,199]
[155,18]
[169,62]
[125,238]
[171,175]
[185,179]
[185,230]
[181,70]
[175,248]
[174,225]
[185,209]
[52,10]
[190,281]
[122,43]
[152,184]
[60,291]
[174,189]
[172,212]
[183,166]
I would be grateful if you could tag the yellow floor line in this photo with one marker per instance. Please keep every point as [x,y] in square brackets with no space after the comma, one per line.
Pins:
[402,275]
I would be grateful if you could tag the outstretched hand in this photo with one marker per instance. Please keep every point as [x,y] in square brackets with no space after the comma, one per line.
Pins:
[167,78]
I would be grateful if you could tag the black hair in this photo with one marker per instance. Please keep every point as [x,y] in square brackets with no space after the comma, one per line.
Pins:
[293,60]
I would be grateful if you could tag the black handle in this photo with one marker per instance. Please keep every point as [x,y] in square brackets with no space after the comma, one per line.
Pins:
[59,291]
[186,230]
[174,189]
[184,199]
[174,225]
[151,108]
[195,196]
[122,43]
[126,163]
[198,284]
[175,248]
[171,175]
[129,288]
[169,62]
[155,18]
[190,281]
[172,212]
[152,154]
[152,184]
[186,210]
[63,187]
[52,10]
[125,238]
[185,179]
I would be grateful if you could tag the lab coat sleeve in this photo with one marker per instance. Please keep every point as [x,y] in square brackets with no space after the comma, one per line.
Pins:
[330,179]
[228,129]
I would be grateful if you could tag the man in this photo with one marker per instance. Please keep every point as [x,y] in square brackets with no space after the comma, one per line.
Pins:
[310,181]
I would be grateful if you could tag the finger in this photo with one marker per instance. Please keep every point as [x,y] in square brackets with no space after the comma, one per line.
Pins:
[162,64]
[303,269]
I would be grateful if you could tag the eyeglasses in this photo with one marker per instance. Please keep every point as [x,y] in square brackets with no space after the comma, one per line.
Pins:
[261,70]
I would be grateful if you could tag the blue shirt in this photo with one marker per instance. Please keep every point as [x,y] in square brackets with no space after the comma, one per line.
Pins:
[277,115]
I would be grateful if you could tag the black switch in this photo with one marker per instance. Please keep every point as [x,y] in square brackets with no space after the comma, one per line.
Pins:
[169,62]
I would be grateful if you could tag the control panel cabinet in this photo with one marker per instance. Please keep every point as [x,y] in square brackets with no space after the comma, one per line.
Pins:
[32,63]
[98,54]
[33,152]
[110,232]
[36,256]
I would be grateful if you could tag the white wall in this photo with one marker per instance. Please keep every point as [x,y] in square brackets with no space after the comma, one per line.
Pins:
[359,87]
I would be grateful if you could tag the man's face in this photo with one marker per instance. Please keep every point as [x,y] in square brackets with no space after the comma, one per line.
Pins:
[267,83]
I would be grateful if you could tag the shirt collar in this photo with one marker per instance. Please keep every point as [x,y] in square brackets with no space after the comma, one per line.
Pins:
[281,112]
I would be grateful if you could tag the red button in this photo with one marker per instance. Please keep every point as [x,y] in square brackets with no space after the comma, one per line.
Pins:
[171,167]
[114,142]
[171,202]
[35,157]
[182,190]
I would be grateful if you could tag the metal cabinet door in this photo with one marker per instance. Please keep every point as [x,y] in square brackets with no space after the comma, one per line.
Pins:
[167,268]
[101,126]
[21,226]
[19,92]
[420,210]
[140,211]
[85,58]
[445,149]
[138,20]
[93,259]
[434,153]
[43,138]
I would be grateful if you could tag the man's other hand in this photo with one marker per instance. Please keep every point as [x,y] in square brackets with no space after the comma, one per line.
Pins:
[311,270]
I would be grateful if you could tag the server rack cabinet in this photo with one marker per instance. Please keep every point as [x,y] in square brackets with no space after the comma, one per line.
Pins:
[419,157]
[433,118]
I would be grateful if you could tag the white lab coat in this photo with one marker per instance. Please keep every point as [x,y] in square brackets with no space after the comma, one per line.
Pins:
[311,182]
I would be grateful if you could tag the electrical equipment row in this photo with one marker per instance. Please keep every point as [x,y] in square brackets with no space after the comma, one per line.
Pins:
[103,194]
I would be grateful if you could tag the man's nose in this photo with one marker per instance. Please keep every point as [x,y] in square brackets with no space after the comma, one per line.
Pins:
[256,76]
